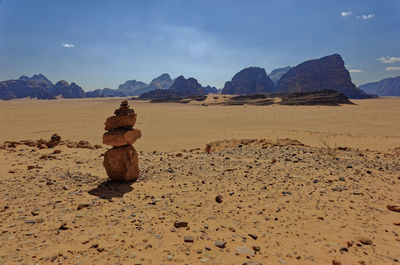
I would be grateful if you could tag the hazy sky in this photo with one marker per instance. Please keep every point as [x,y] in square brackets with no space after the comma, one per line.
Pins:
[101,44]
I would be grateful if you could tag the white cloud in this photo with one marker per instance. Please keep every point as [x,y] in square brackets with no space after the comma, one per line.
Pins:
[366,17]
[346,13]
[392,68]
[389,59]
[355,71]
[68,45]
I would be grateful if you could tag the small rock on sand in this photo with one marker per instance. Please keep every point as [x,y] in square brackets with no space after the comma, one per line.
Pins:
[220,244]
[365,240]
[218,198]
[82,205]
[189,239]
[244,250]
[179,224]
[393,208]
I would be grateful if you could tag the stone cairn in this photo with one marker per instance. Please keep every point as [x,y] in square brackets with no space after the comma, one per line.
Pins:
[121,161]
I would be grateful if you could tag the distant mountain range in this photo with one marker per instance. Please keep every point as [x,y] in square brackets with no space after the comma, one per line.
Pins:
[133,88]
[327,72]
[385,87]
[181,87]
[38,86]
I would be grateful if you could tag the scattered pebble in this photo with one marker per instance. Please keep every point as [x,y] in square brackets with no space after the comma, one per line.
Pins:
[189,239]
[220,244]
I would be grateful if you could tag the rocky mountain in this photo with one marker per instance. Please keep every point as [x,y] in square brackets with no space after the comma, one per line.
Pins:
[186,87]
[319,74]
[38,86]
[209,90]
[181,87]
[105,92]
[385,87]
[98,93]
[68,90]
[164,81]
[276,74]
[131,87]
[251,80]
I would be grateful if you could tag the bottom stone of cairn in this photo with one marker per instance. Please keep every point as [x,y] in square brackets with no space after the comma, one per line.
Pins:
[121,163]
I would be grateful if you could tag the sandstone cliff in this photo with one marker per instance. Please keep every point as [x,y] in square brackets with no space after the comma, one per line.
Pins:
[181,87]
[251,80]
[325,73]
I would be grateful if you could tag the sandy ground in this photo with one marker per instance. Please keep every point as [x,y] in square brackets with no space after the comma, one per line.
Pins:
[281,202]
[371,124]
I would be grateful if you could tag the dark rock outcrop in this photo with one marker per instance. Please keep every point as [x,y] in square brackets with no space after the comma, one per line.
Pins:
[324,73]
[181,88]
[254,99]
[251,80]
[276,74]
[311,98]
[385,87]
[327,97]
[182,100]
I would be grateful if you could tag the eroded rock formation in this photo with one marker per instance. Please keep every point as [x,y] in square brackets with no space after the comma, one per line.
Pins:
[327,72]
[38,86]
[251,80]
[181,87]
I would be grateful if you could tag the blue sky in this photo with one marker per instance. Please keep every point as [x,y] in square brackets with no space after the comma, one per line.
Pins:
[101,44]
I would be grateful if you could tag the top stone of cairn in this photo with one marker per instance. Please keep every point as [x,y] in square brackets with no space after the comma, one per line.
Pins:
[123,109]
[125,118]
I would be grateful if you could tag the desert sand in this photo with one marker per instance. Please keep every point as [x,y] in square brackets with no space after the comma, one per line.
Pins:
[371,124]
[272,201]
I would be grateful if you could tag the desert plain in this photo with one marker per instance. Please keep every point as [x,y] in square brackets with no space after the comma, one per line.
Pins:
[317,185]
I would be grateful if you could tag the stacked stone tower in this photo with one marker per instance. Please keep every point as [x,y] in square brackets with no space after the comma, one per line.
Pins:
[121,161]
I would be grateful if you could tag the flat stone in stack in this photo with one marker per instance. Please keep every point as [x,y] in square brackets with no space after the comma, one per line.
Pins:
[116,122]
[120,138]
[121,161]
